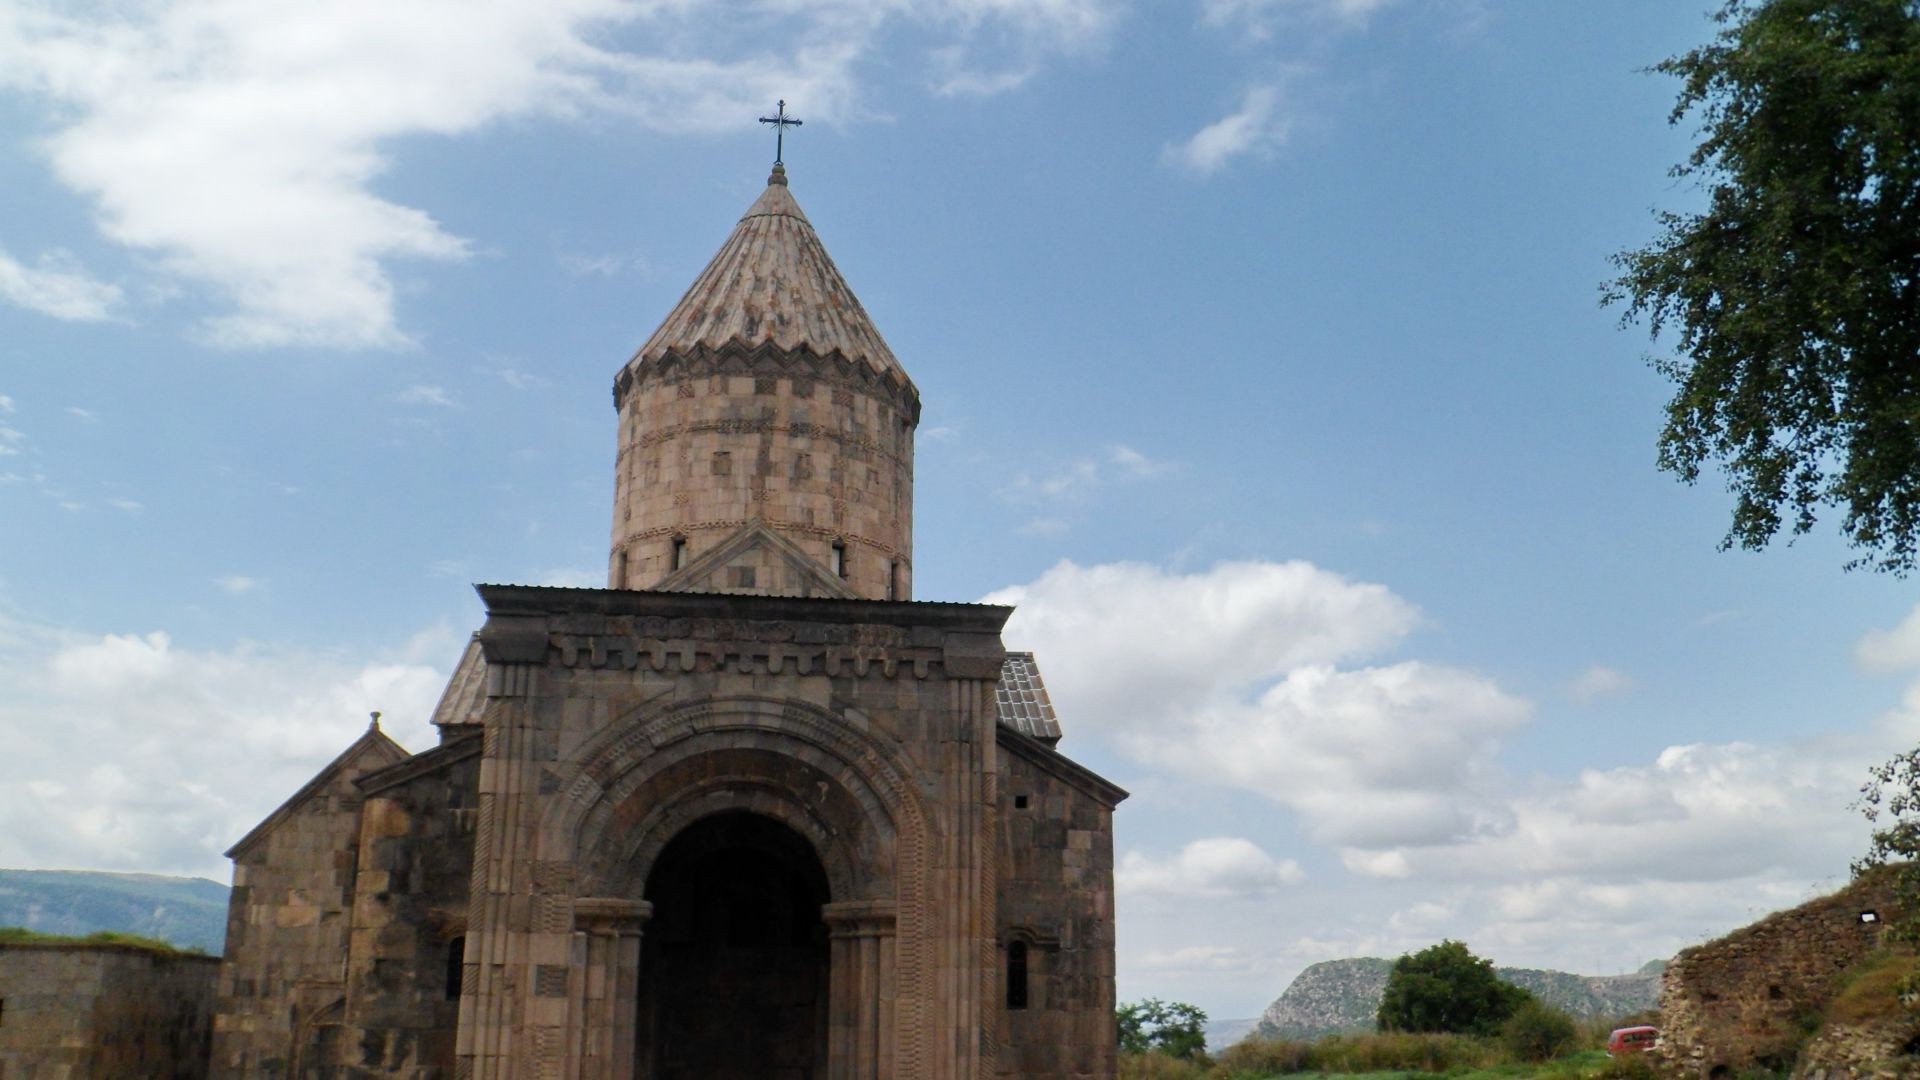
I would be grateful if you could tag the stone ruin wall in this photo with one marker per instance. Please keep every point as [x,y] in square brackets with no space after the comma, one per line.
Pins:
[1743,998]
[104,1012]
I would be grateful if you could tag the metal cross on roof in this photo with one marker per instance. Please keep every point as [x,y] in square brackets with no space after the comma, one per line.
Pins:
[781,122]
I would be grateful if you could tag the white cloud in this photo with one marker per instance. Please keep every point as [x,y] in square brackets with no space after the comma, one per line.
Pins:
[521,380]
[1894,650]
[162,756]
[6,404]
[1231,676]
[125,504]
[1135,463]
[1257,127]
[425,395]
[1212,867]
[1373,757]
[601,265]
[1257,18]
[1597,682]
[79,413]
[237,144]
[58,287]
[1194,959]
[570,577]
[238,583]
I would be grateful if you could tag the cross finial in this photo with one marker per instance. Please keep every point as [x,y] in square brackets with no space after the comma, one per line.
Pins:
[781,122]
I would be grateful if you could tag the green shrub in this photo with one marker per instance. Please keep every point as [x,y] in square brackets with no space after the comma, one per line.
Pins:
[19,935]
[1153,1065]
[1390,1051]
[1445,987]
[1251,1058]
[1539,1032]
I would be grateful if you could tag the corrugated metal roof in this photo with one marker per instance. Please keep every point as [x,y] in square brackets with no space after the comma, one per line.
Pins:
[1022,702]
[772,281]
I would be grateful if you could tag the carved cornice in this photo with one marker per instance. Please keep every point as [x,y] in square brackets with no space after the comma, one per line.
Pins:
[607,915]
[859,918]
[770,360]
[689,632]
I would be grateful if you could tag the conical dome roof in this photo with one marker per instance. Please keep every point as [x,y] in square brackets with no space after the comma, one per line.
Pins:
[772,281]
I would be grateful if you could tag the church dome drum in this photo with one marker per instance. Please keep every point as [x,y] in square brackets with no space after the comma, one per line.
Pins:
[766,430]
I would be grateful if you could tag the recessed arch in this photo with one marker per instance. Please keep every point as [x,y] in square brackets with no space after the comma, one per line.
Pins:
[826,775]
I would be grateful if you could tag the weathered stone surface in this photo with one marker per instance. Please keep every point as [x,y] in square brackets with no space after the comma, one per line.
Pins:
[104,1012]
[1745,998]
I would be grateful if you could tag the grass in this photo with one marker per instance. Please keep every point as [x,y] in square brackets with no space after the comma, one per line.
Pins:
[1872,989]
[1380,1057]
[16,935]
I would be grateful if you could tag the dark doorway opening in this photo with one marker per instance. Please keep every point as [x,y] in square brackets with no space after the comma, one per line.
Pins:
[733,964]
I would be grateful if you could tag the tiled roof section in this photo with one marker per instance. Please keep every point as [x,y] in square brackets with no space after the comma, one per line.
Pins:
[772,281]
[1023,704]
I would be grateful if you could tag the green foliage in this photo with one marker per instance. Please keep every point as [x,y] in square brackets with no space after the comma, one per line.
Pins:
[1890,799]
[1793,296]
[1152,1066]
[1393,1057]
[1446,988]
[19,935]
[1539,1032]
[1174,1029]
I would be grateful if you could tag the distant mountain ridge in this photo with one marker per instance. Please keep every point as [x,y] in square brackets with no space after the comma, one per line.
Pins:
[190,913]
[1341,997]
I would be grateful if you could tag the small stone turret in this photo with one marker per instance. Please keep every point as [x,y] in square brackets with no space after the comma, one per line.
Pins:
[766,430]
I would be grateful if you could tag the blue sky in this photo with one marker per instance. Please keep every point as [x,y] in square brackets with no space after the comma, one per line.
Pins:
[1262,363]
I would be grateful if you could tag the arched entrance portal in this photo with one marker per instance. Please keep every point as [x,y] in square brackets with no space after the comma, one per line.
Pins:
[733,968]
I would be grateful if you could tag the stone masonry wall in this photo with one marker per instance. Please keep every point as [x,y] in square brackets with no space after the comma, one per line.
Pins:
[285,968]
[615,719]
[104,1012]
[797,441]
[1056,896]
[410,915]
[1747,997]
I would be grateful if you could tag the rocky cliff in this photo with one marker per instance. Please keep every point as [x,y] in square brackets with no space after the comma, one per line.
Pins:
[1340,997]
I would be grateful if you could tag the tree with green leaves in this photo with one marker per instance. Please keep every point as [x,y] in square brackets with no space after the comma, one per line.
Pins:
[1891,801]
[1794,296]
[1445,987]
[1173,1028]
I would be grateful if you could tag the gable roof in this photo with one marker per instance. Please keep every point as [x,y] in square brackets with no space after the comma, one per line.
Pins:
[755,534]
[772,281]
[370,751]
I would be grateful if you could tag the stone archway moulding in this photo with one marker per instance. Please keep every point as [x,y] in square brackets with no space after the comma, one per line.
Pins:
[584,828]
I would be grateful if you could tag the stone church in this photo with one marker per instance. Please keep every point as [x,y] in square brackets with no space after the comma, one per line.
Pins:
[749,812]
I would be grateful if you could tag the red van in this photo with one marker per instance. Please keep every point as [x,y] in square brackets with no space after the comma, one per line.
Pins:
[1631,1040]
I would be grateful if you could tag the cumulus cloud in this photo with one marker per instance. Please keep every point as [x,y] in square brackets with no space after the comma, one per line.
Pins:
[1212,867]
[152,756]
[1256,127]
[1233,676]
[1597,682]
[236,144]
[1892,650]
[58,287]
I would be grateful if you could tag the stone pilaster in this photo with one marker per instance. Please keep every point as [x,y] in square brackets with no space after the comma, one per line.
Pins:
[860,980]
